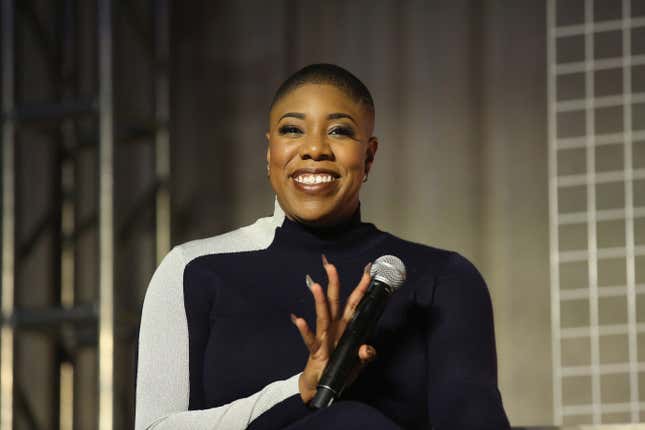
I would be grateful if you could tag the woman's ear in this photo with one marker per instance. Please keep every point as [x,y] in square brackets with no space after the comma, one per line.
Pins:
[372,147]
[268,154]
[266,136]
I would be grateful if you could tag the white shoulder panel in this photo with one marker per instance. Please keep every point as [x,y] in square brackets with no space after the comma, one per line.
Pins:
[162,376]
[256,236]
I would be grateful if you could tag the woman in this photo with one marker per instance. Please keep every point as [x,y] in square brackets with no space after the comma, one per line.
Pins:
[217,349]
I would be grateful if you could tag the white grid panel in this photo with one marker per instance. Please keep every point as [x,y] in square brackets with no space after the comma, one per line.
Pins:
[596,133]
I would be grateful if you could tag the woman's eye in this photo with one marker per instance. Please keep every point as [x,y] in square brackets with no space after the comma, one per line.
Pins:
[289,129]
[342,131]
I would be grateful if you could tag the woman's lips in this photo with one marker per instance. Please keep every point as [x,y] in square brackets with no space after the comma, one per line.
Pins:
[313,182]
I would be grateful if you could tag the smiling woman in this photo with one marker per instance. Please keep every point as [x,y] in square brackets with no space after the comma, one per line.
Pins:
[320,150]
[217,349]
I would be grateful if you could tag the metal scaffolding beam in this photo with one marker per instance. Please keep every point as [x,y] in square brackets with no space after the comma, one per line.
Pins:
[162,135]
[8,217]
[68,321]
[106,219]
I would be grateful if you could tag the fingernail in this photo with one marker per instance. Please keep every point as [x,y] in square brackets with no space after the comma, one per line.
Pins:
[367,268]
[324,260]
[293,318]
[309,281]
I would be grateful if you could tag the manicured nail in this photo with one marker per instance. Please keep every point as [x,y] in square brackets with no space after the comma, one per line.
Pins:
[367,268]
[309,281]
[293,319]
[324,260]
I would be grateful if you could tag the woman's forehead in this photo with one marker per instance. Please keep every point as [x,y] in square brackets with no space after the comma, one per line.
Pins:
[318,99]
[316,93]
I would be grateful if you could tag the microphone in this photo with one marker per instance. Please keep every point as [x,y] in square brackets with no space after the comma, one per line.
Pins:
[388,274]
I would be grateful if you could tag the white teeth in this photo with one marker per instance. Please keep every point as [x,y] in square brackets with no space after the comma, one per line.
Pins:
[313,179]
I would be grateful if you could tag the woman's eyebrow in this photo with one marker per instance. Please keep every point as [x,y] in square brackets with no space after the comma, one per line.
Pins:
[335,115]
[338,115]
[293,115]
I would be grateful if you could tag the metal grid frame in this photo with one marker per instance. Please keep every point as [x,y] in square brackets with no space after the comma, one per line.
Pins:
[591,216]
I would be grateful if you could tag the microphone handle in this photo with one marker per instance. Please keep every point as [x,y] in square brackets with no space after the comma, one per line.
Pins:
[345,356]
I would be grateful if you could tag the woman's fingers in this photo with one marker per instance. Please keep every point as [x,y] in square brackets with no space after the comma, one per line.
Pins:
[328,324]
[322,310]
[307,336]
[356,296]
[333,288]
[366,354]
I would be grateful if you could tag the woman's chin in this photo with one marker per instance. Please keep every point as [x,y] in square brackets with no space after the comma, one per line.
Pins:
[321,217]
[317,212]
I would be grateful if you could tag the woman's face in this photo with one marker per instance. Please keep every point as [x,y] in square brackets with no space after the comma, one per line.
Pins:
[320,148]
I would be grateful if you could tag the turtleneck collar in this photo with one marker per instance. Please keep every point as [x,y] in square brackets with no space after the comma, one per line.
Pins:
[349,236]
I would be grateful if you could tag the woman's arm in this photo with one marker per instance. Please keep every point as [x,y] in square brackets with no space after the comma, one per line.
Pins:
[163,386]
[462,372]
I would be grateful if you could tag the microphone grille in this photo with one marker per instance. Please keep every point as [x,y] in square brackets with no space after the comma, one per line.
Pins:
[389,270]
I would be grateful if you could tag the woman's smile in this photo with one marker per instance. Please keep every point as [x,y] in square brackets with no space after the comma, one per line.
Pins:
[314,181]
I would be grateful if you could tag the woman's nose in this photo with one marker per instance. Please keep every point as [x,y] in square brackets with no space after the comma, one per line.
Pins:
[316,148]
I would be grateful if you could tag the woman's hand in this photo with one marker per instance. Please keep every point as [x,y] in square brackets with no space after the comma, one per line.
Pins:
[330,325]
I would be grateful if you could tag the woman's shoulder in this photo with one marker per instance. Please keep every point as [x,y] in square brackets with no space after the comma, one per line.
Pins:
[427,259]
[415,249]
[255,236]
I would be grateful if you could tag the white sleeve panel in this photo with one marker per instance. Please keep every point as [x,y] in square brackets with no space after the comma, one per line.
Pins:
[233,416]
[162,376]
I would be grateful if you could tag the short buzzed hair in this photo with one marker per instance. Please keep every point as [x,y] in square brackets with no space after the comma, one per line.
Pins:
[329,74]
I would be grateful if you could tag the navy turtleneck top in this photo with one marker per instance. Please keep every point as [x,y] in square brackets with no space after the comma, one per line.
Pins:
[217,349]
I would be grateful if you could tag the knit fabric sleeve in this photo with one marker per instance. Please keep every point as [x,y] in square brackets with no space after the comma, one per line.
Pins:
[462,372]
[163,388]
